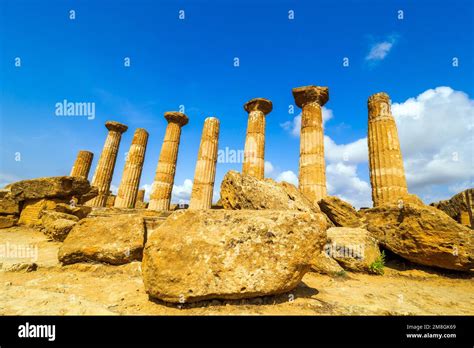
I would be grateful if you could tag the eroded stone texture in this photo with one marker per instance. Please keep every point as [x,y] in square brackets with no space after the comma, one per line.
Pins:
[162,187]
[387,175]
[105,168]
[140,202]
[254,150]
[82,165]
[203,186]
[128,189]
[312,170]
[460,207]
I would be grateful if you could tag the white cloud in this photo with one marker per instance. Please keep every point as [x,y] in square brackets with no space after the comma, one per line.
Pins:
[288,176]
[294,126]
[182,193]
[379,50]
[147,189]
[114,189]
[343,181]
[436,136]
[355,152]
[268,168]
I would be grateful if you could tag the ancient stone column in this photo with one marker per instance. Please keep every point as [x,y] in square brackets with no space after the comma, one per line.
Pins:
[127,192]
[205,173]
[105,167]
[254,150]
[140,196]
[387,175]
[312,166]
[162,187]
[82,165]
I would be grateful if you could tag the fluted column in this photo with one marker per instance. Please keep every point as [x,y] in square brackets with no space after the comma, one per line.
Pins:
[127,192]
[312,166]
[387,175]
[162,187]
[140,196]
[205,173]
[254,150]
[82,165]
[105,167]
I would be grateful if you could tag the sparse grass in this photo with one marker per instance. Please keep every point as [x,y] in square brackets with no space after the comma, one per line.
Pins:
[342,274]
[378,265]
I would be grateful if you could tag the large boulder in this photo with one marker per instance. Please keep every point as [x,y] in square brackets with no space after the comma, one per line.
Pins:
[341,213]
[353,248]
[33,209]
[322,263]
[208,254]
[57,225]
[50,187]
[246,192]
[117,239]
[7,221]
[460,207]
[422,234]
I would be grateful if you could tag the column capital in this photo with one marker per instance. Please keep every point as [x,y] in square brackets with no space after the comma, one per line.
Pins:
[116,126]
[176,117]
[308,94]
[259,104]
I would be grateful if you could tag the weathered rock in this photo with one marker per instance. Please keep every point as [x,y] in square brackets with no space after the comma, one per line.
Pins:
[246,192]
[353,248]
[8,206]
[50,187]
[208,254]
[57,225]
[341,213]
[115,239]
[94,191]
[423,235]
[460,207]
[81,211]
[324,264]
[33,210]
[7,221]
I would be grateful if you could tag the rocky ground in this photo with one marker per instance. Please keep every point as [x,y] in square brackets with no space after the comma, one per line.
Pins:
[99,289]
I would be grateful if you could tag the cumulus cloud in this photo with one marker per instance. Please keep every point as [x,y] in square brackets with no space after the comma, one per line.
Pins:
[355,152]
[294,126]
[436,136]
[288,176]
[268,168]
[182,193]
[344,182]
[380,50]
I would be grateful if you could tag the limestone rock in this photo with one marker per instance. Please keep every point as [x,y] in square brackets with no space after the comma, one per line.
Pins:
[81,211]
[460,207]
[50,187]
[341,213]
[353,248]
[324,264]
[423,235]
[33,210]
[57,225]
[7,221]
[115,239]
[208,254]
[246,192]
[8,206]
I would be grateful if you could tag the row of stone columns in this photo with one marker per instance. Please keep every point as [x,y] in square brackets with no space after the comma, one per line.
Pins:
[385,161]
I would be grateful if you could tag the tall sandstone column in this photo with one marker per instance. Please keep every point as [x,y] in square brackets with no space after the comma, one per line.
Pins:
[82,165]
[162,187]
[205,173]
[140,196]
[387,175]
[312,166]
[254,150]
[105,167]
[127,192]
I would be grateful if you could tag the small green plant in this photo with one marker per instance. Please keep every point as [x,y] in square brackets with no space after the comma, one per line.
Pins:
[342,274]
[377,266]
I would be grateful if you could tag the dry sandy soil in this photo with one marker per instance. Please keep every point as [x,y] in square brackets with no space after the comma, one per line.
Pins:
[95,289]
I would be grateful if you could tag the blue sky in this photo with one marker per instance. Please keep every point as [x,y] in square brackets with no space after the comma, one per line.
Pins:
[190,62]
